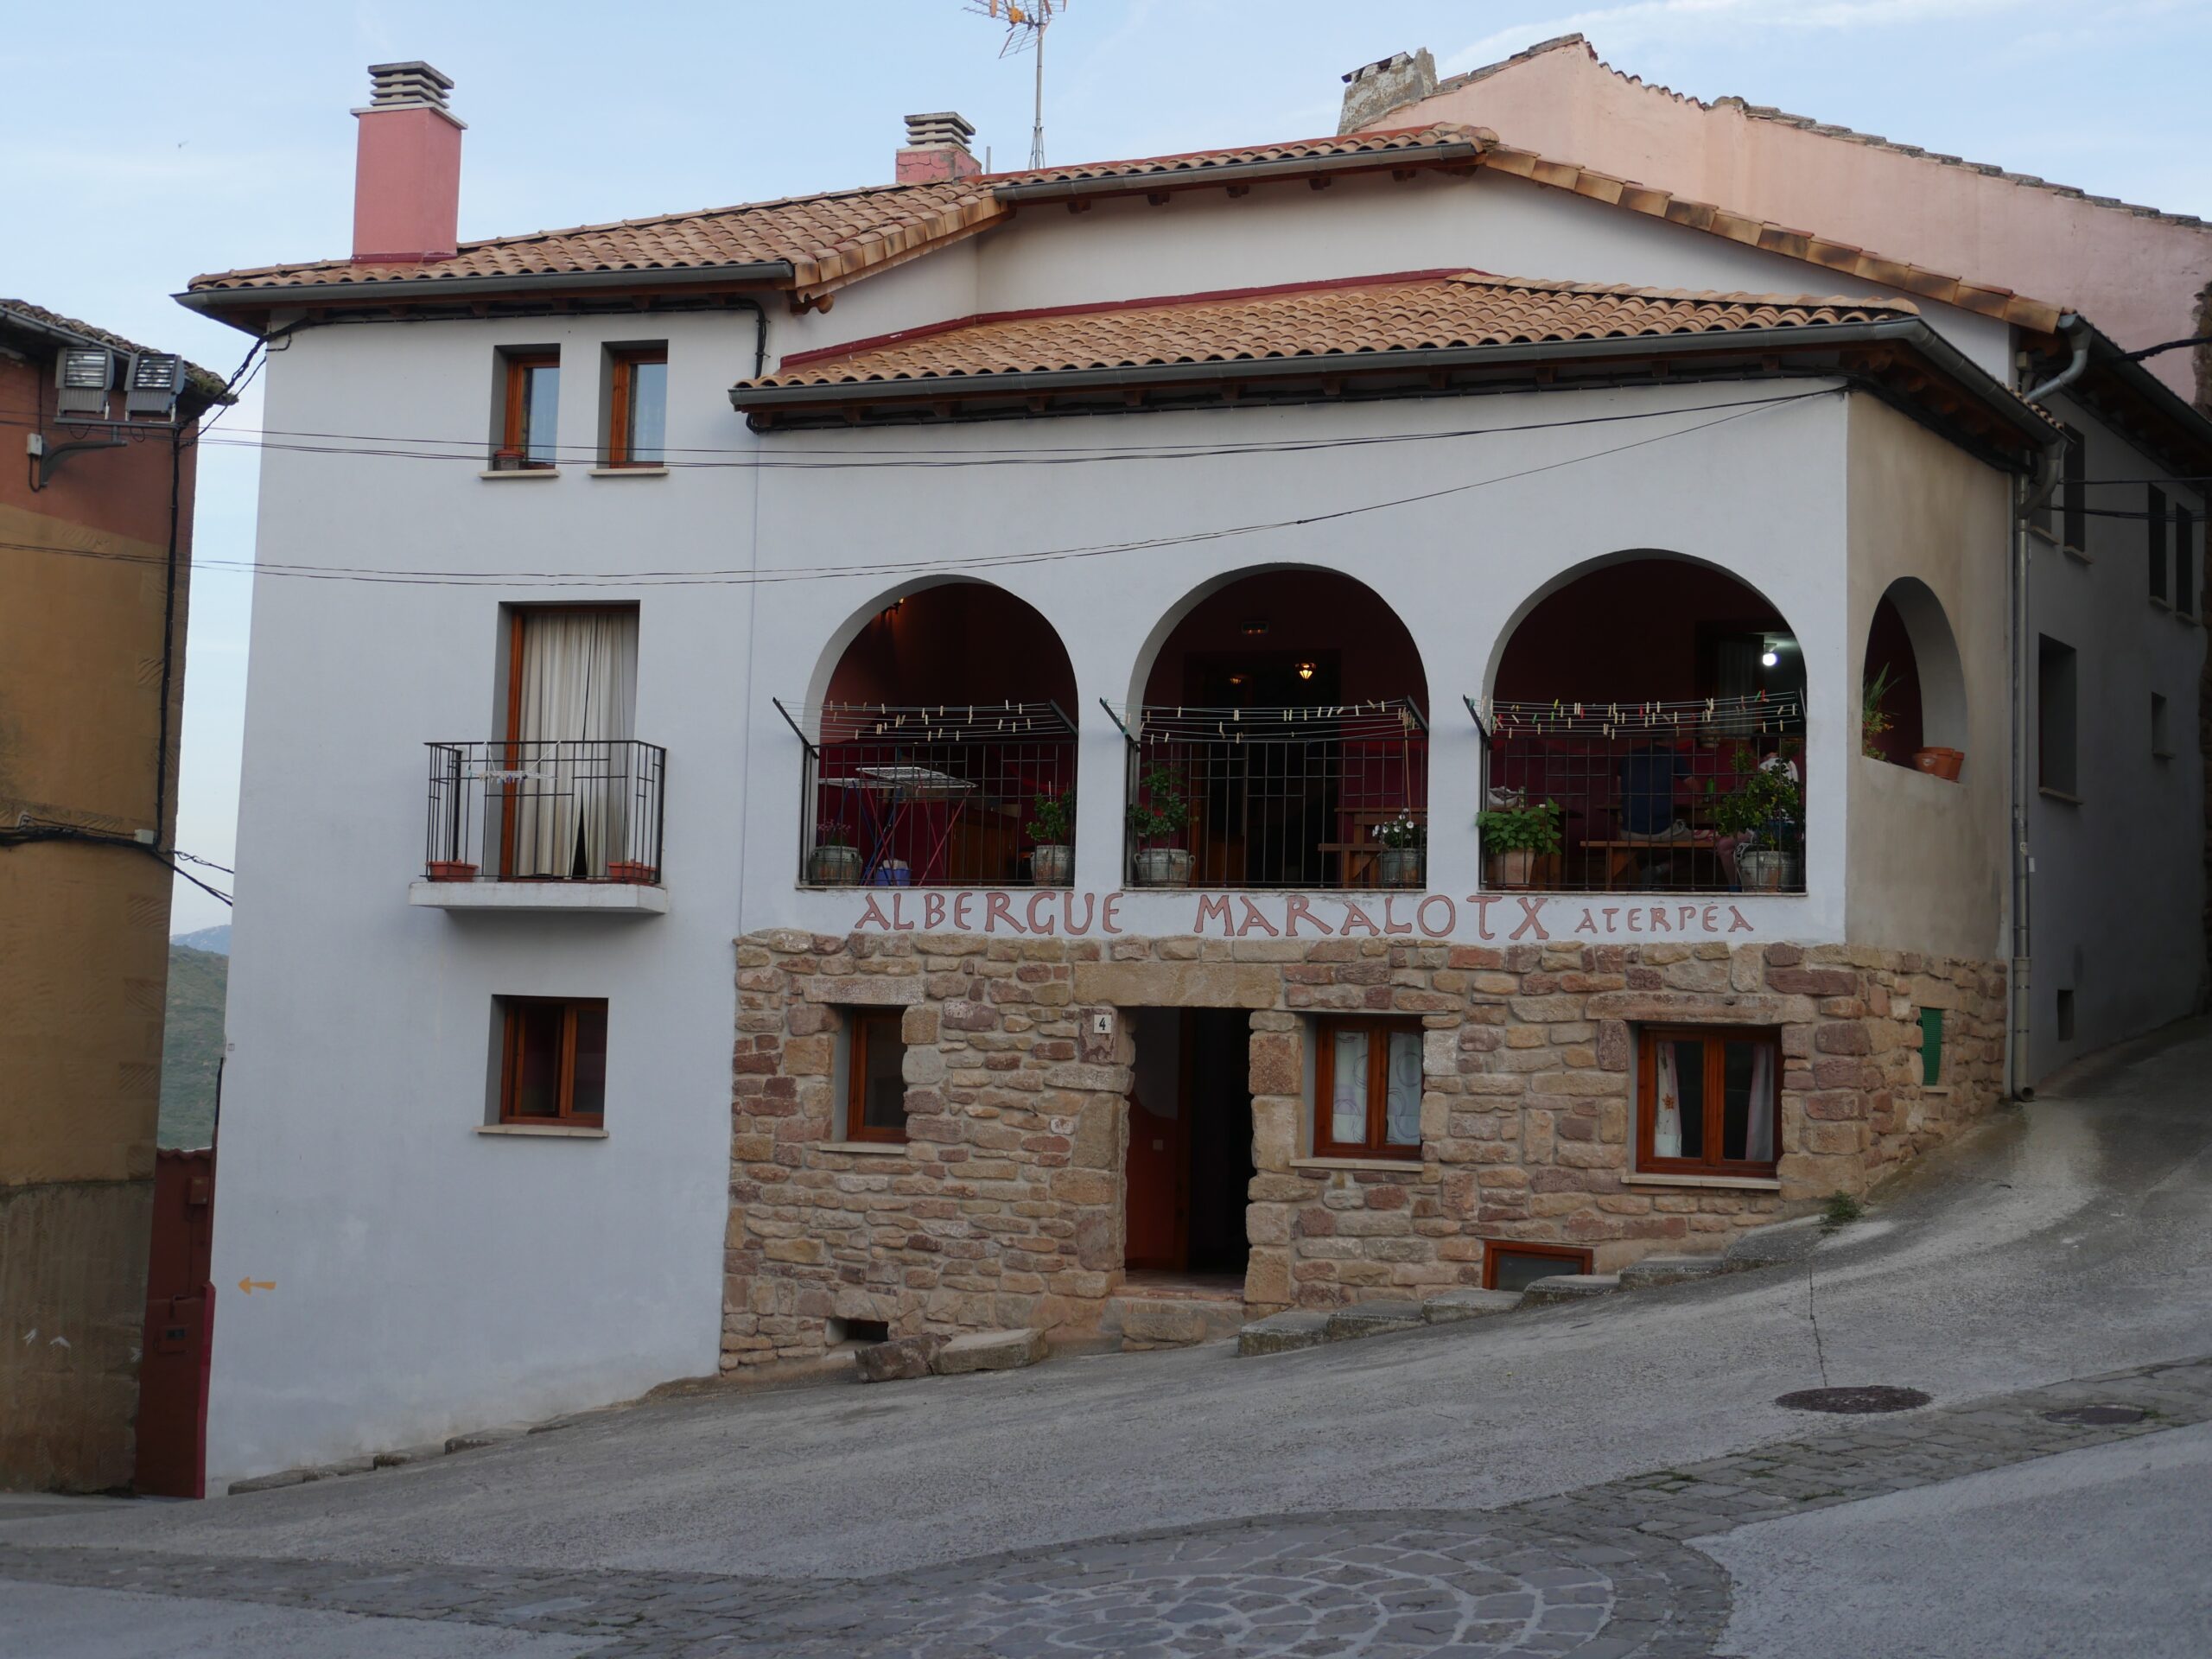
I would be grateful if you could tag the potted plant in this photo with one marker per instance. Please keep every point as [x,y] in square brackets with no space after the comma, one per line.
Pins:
[452,869]
[1051,861]
[634,871]
[1160,810]
[1515,837]
[1874,721]
[1762,816]
[834,861]
[1398,865]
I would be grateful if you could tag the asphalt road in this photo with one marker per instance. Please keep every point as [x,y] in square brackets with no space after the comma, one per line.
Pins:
[2067,1238]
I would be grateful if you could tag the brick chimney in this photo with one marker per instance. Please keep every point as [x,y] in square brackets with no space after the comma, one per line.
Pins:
[406,167]
[936,149]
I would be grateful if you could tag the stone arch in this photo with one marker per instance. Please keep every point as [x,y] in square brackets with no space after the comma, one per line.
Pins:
[911,631]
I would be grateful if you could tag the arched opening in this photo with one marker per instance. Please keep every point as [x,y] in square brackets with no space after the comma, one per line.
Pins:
[1912,697]
[1645,733]
[942,751]
[1281,739]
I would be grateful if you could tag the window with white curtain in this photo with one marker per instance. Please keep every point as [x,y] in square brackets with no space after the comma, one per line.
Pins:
[1367,1087]
[571,724]
[1709,1101]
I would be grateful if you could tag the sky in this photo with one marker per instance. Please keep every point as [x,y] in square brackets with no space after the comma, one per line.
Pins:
[202,138]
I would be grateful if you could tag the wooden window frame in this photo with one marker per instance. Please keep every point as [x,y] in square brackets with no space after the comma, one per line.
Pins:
[518,366]
[857,1126]
[621,367]
[564,1087]
[1378,1088]
[1716,1040]
[1492,1248]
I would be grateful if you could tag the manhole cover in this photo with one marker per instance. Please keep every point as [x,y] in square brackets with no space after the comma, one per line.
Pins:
[2096,1416]
[1878,1398]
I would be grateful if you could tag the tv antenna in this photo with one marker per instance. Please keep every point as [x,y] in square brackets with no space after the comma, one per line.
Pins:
[1026,23]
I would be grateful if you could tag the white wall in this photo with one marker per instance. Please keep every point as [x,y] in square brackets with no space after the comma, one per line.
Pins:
[2117,901]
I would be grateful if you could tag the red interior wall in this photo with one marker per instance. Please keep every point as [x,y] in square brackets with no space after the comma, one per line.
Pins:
[1887,642]
[962,642]
[1308,612]
[1627,633]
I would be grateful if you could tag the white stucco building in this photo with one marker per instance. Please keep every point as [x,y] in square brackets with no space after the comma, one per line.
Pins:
[1308,499]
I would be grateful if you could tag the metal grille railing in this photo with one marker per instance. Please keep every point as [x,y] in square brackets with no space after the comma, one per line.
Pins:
[1649,796]
[1278,798]
[582,810]
[947,796]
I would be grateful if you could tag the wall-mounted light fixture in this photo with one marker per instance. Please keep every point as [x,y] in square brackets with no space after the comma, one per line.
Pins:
[82,375]
[1306,671]
[157,379]
[1768,658]
[1255,626]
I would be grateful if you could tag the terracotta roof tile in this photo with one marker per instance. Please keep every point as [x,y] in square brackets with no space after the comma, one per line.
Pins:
[206,383]
[1389,315]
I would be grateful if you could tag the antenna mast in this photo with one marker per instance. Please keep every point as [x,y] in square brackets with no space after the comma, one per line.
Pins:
[1026,23]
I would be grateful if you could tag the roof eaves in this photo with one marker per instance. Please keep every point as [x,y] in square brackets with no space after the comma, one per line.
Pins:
[1444,152]
[20,315]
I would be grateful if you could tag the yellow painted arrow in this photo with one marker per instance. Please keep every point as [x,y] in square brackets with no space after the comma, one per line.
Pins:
[248,1286]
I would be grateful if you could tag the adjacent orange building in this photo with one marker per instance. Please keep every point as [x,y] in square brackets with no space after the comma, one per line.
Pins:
[95,556]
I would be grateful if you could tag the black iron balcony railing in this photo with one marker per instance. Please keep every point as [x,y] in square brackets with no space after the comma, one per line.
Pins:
[586,811]
[1330,796]
[952,794]
[1698,797]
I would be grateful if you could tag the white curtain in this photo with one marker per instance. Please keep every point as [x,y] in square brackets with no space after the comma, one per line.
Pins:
[1758,1132]
[1667,1110]
[579,690]
[1348,1089]
[1401,1107]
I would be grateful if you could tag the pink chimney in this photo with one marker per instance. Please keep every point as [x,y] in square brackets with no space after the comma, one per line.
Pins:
[936,150]
[407,168]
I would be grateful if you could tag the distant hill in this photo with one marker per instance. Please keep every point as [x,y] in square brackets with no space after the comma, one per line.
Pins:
[192,1044]
[217,939]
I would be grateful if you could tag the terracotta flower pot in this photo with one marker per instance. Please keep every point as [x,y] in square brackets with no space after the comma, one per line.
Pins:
[634,871]
[1514,869]
[451,870]
[1939,762]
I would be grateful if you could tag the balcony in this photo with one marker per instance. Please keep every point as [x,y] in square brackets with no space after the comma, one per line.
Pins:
[955,796]
[1325,795]
[1703,796]
[544,826]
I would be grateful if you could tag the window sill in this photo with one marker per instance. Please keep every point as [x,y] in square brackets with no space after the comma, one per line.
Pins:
[550,1131]
[1393,1166]
[1935,1088]
[2050,794]
[864,1148]
[605,897]
[520,471]
[2076,554]
[628,472]
[1728,1183]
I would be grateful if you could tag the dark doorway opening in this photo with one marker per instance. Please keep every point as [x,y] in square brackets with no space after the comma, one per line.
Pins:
[1189,1172]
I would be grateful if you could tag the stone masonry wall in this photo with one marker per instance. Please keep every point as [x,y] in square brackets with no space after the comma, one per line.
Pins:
[1004,1206]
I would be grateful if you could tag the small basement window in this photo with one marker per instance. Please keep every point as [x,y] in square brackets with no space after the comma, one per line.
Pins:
[1367,1089]
[530,411]
[1511,1265]
[1709,1101]
[875,1076]
[553,1061]
[863,1332]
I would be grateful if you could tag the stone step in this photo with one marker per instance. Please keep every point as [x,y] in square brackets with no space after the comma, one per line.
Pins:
[1657,1270]
[1569,1288]
[1467,1303]
[1144,1322]
[1279,1334]
[989,1350]
[1371,1319]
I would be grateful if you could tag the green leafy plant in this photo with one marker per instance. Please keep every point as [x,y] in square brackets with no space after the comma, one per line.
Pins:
[1766,797]
[1403,832]
[1521,828]
[1054,824]
[1161,808]
[1842,1210]
[832,833]
[1874,721]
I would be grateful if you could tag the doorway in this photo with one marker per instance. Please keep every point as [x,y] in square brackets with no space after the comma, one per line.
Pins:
[1189,1171]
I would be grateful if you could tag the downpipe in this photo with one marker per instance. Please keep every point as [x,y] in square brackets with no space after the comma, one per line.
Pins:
[2033,493]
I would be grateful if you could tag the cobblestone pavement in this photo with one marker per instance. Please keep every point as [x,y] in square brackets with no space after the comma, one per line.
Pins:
[1598,1573]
